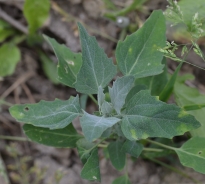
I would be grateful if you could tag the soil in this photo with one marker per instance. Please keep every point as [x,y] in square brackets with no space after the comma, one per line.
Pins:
[29,84]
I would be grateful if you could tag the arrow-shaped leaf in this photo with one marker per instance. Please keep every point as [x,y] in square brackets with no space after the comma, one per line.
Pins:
[94,126]
[54,115]
[69,63]
[60,138]
[133,148]
[146,116]
[91,169]
[97,69]
[138,55]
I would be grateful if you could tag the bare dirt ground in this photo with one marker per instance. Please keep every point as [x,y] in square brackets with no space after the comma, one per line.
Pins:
[29,84]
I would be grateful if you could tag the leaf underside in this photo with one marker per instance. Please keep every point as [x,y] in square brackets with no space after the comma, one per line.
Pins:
[54,114]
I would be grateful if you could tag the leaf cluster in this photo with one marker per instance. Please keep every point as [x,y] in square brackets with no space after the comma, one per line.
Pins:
[131,109]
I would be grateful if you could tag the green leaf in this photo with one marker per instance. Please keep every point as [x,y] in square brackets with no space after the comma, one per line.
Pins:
[119,91]
[91,169]
[54,115]
[133,148]
[83,101]
[69,63]
[146,116]
[9,56]
[134,91]
[192,154]
[117,154]
[36,12]
[155,83]
[168,89]
[49,68]
[84,149]
[138,55]
[187,96]
[97,69]
[6,30]
[94,126]
[122,180]
[61,138]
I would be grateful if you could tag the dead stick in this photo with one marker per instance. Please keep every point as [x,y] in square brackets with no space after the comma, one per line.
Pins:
[19,81]
[13,22]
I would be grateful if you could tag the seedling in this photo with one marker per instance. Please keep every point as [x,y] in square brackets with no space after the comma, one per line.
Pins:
[131,110]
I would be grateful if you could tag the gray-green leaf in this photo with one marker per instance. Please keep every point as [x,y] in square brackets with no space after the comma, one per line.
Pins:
[192,154]
[119,91]
[91,169]
[61,138]
[146,116]
[97,69]
[117,154]
[69,62]
[133,148]
[101,97]
[138,55]
[54,115]
[122,180]
[106,108]
[9,56]
[94,126]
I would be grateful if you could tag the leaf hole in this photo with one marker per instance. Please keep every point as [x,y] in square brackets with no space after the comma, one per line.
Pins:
[26,109]
[200,152]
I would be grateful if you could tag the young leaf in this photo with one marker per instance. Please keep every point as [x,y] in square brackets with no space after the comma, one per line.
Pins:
[36,12]
[97,69]
[122,180]
[168,89]
[133,148]
[146,116]
[155,83]
[61,138]
[117,154]
[69,63]
[185,95]
[54,115]
[6,30]
[84,149]
[94,126]
[101,97]
[9,56]
[192,154]
[49,68]
[119,91]
[91,169]
[138,55]
[106,108]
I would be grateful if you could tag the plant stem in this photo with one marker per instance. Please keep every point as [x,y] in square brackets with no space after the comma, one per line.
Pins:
[134,5]
[153,149]
[173,169]
[161,145]
[5,103]
[93,99]
[13,138]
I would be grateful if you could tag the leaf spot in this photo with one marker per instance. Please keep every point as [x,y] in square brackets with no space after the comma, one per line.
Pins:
[148,64]
[200,152]
[70,63]
[21,114]
[94,177]
[26,109]
[130,50]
